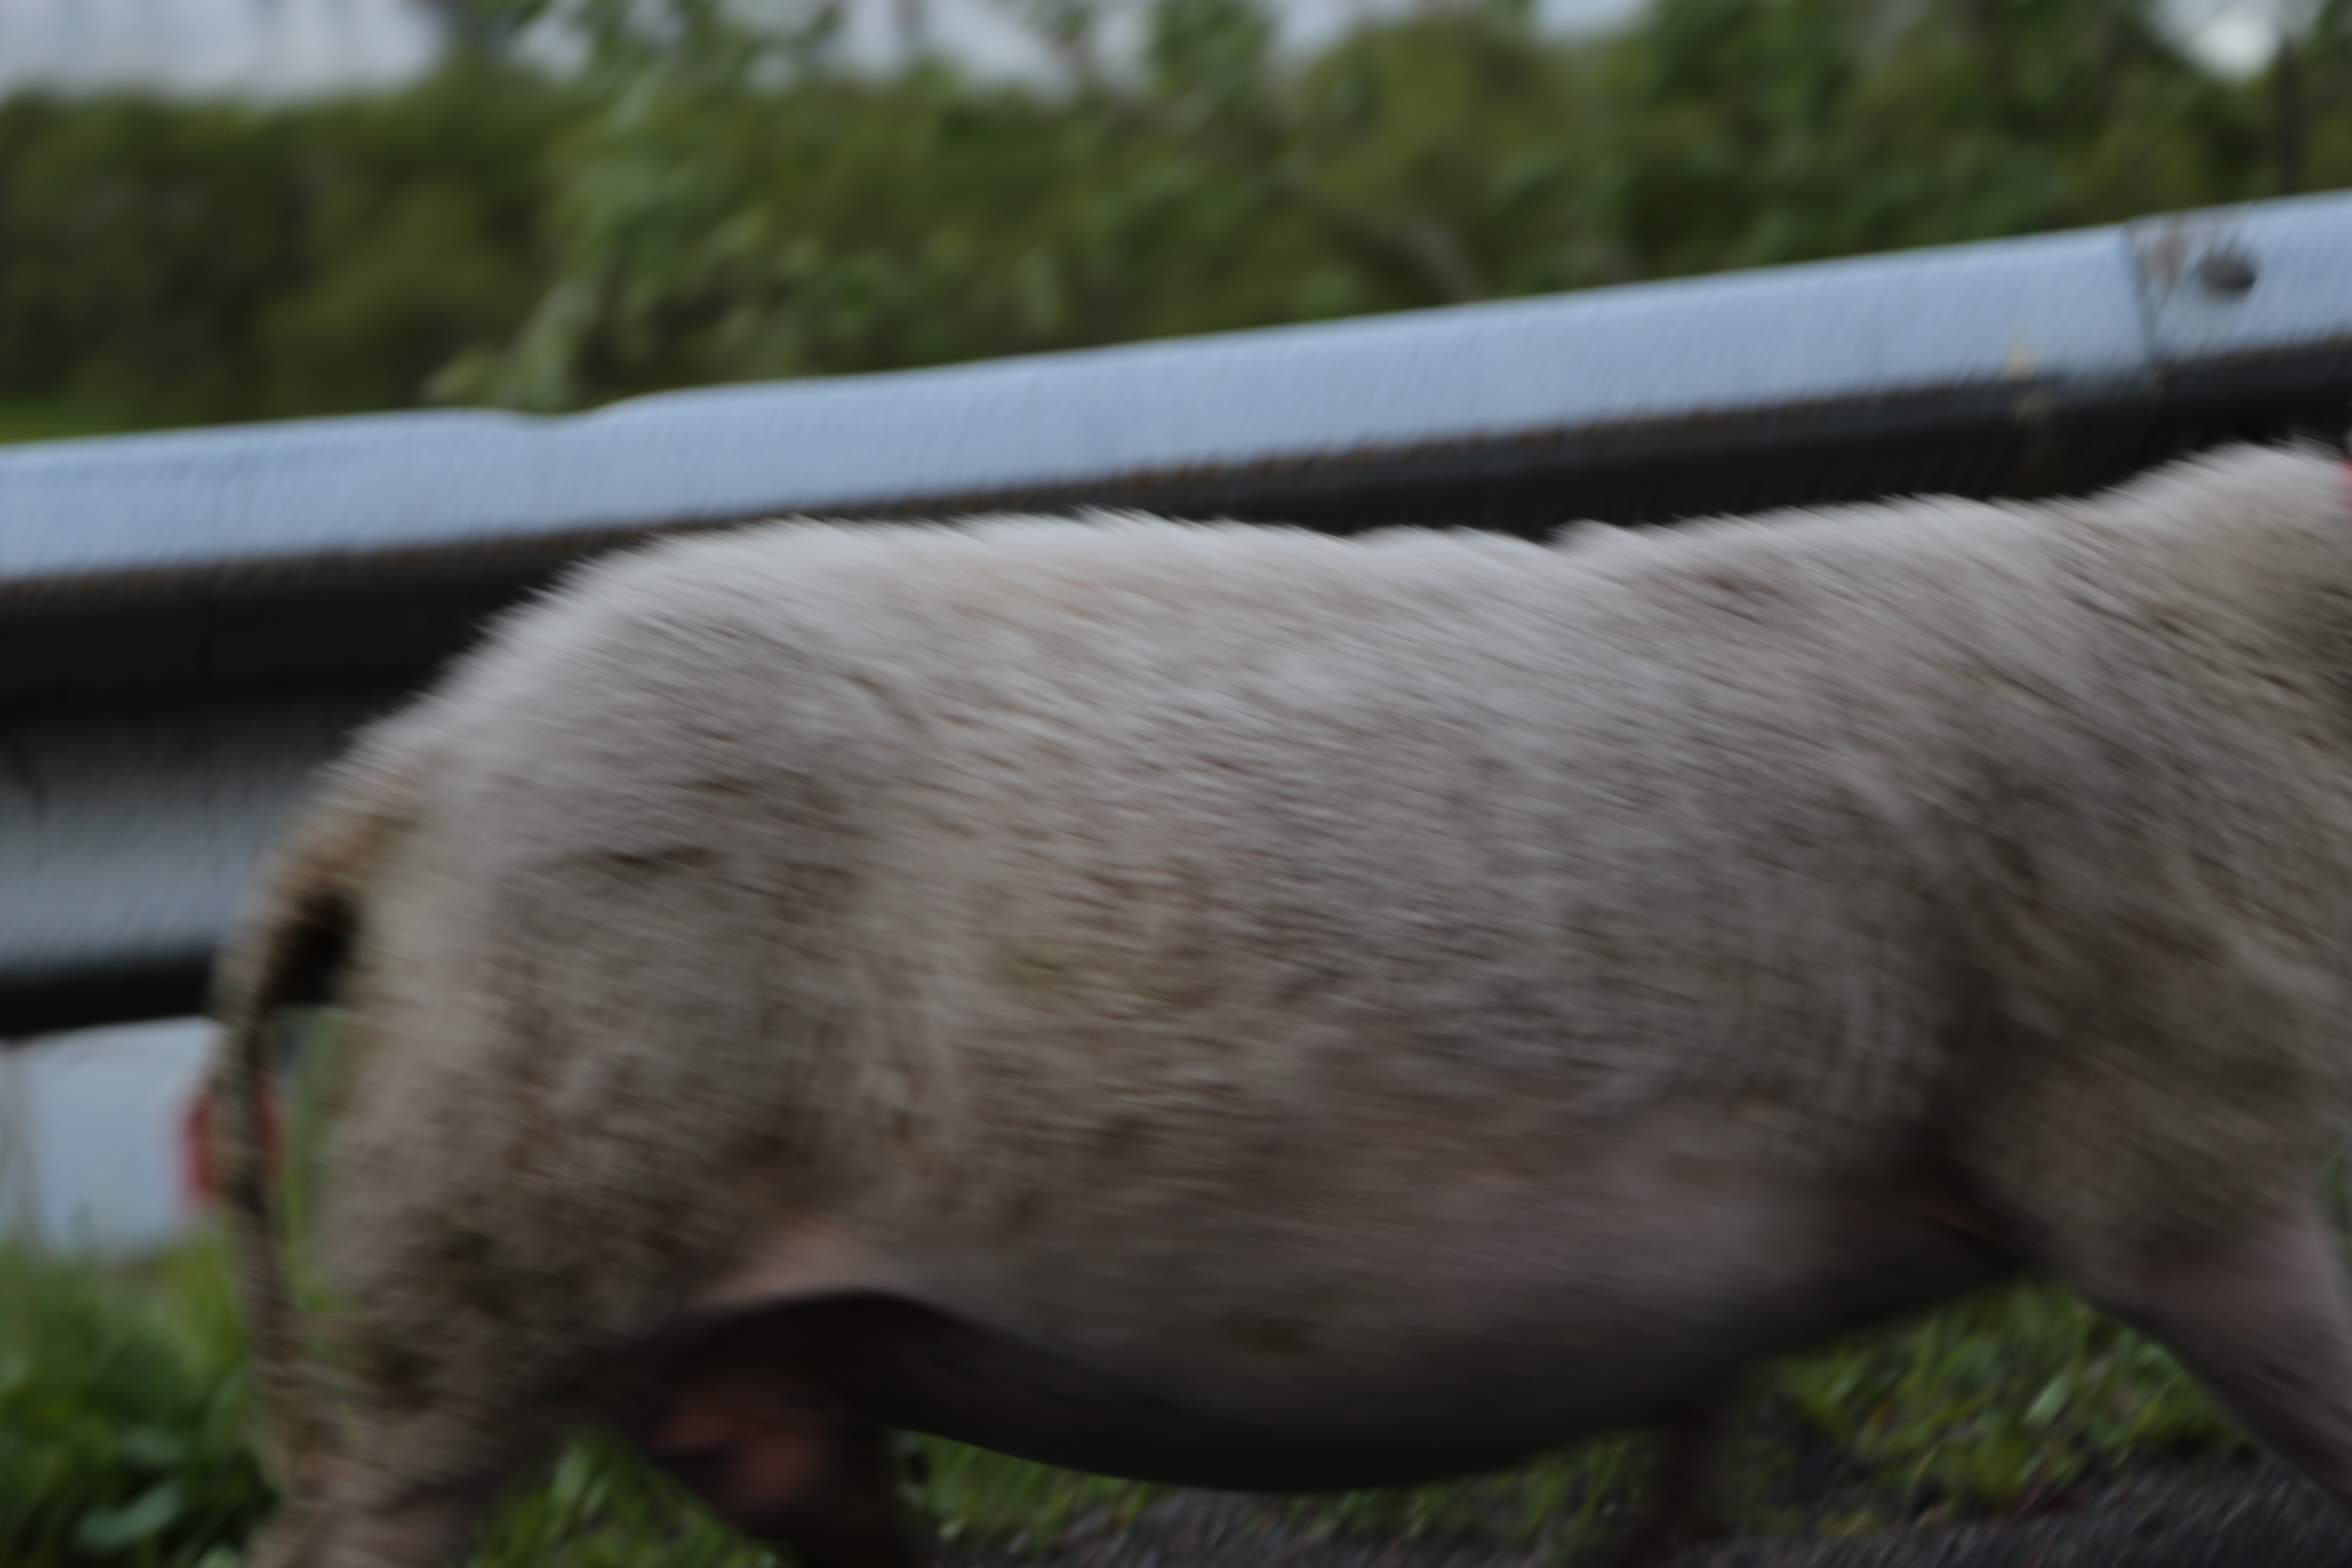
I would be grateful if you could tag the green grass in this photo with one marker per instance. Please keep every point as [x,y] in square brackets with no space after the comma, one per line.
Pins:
[119,1442]
[120,1415]
[54,419]
[1999,1402]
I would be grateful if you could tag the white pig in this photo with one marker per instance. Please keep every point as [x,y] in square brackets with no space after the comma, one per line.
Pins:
[1234,1007]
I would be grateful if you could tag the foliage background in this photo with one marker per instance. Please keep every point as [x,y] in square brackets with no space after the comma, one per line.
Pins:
[716,197]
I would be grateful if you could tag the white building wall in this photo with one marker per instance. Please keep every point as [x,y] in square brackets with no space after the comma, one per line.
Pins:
[90,1144]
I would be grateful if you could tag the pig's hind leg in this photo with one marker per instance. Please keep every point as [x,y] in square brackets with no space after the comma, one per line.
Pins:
[1686,1505]
[771,1450]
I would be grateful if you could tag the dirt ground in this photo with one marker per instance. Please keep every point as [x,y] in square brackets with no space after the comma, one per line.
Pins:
[2247,1517]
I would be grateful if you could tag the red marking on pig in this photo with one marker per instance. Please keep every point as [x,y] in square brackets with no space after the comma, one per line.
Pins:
[199,1181]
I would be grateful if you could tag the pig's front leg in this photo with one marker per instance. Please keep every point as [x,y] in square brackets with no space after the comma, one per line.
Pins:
[1685,1505]
[2262,1316]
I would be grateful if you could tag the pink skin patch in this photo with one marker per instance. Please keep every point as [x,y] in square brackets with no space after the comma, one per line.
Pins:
[778,1454]
[745,1440]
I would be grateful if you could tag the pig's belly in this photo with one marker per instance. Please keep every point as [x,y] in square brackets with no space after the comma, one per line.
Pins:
[1288,1376]
[917,1369]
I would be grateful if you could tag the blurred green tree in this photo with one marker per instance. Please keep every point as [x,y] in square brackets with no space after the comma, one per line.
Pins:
[2311,102]
[1753,131]
[171,263]
[739,209]
[719,194]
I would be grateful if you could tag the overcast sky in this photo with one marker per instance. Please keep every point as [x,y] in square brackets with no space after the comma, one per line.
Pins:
[283,49]
[279,49]
[267,48]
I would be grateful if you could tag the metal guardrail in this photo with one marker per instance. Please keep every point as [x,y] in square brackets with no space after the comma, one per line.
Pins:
[188,621]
